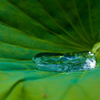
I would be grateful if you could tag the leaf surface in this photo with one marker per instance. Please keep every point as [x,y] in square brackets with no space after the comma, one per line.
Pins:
[28,27]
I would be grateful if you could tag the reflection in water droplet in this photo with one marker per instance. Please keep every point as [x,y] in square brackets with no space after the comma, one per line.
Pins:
[67,62]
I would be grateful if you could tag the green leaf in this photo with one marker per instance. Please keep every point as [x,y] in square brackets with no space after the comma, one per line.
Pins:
[28,27]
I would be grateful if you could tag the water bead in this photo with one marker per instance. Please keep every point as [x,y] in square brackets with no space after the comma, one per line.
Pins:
[65,62]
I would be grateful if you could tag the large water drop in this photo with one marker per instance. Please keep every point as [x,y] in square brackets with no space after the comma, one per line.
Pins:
[65,62]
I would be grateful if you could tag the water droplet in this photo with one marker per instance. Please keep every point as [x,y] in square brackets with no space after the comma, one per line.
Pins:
[67,62]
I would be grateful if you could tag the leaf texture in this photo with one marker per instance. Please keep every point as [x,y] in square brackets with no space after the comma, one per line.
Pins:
[28,27]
